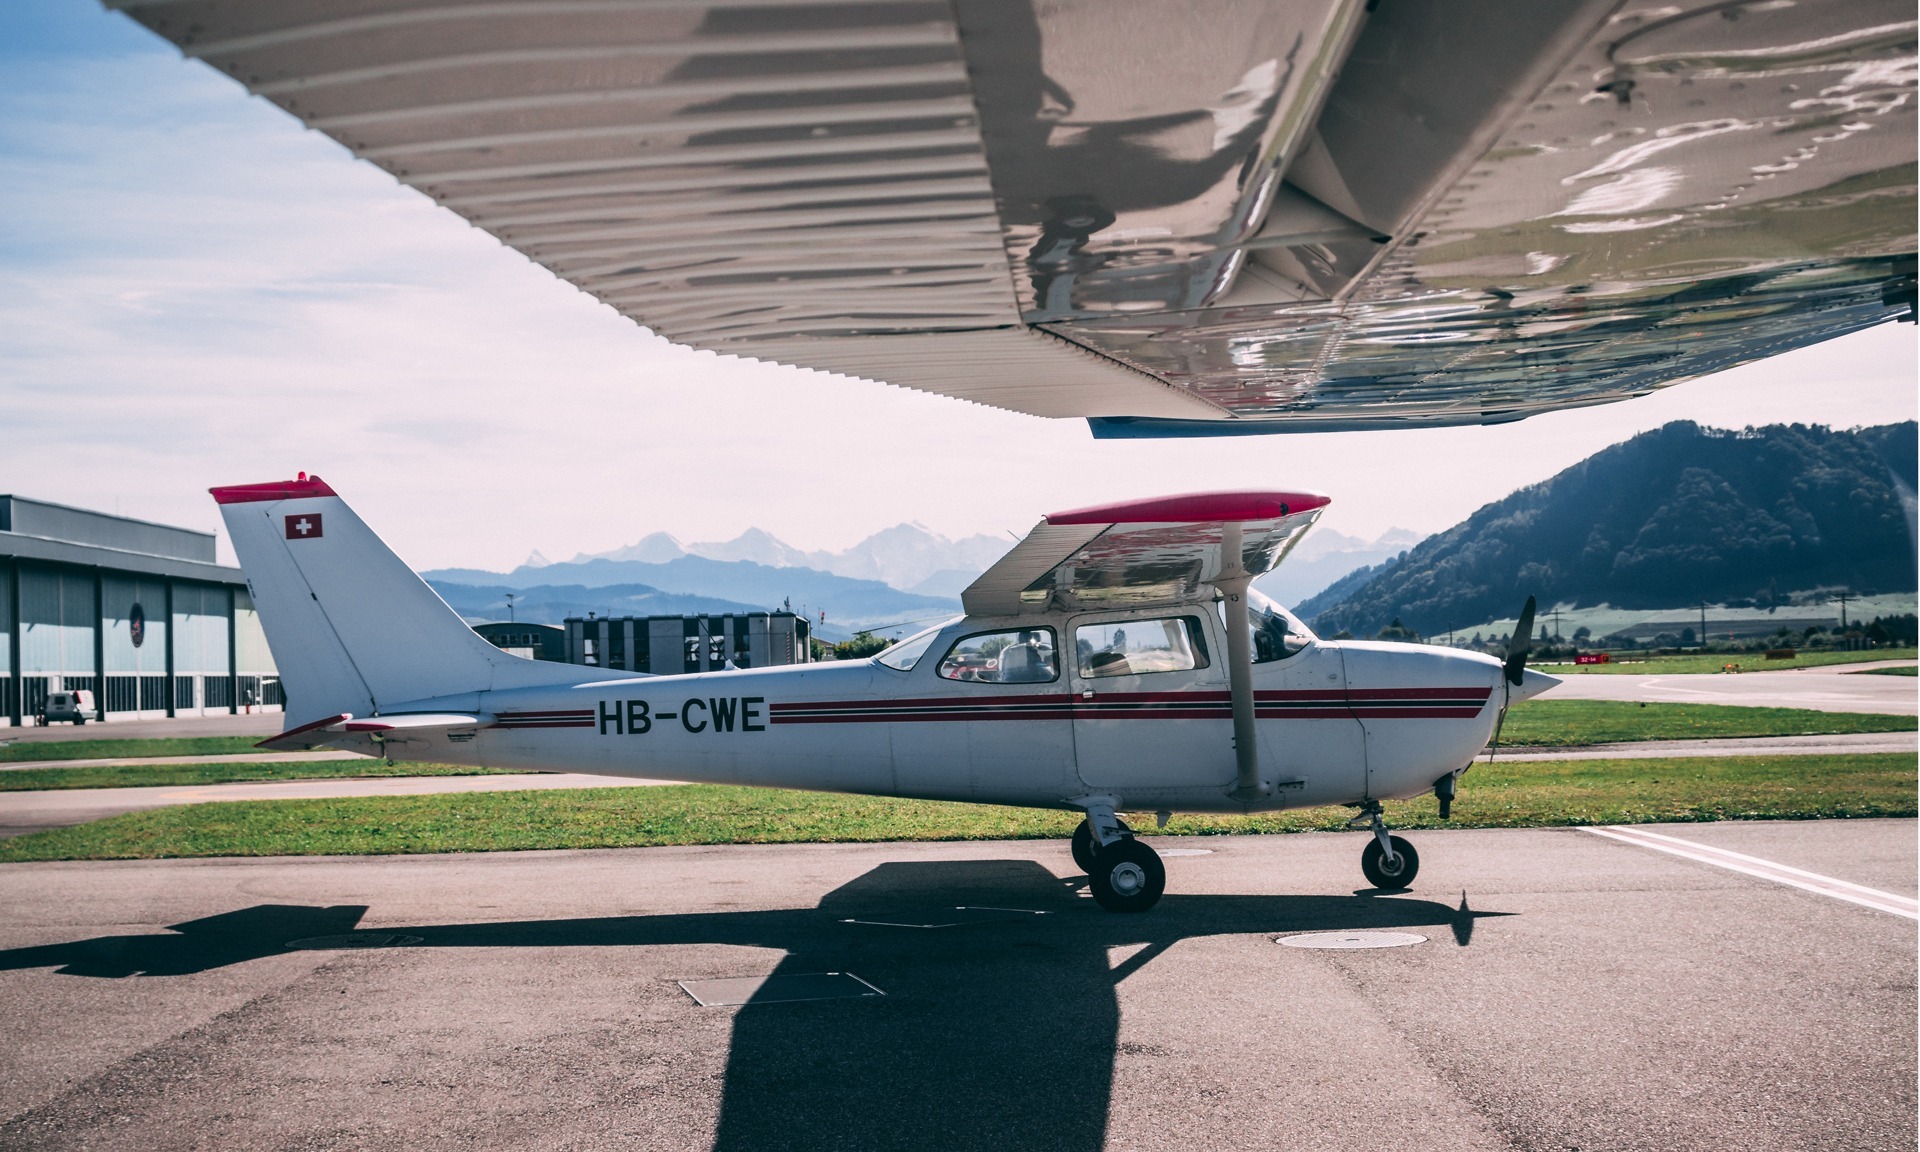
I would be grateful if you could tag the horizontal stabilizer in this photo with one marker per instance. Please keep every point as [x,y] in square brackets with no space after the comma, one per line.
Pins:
[315,735]
[421,722]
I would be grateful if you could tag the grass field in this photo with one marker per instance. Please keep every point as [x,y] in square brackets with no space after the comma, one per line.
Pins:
[1630,665]
[1903,670]
[1504,795]
[175,775]
[115,749]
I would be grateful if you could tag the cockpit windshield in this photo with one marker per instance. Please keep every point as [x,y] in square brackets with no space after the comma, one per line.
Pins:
[904,655]
[1277,633]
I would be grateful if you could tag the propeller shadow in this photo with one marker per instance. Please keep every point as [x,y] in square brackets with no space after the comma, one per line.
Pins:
[997,1031]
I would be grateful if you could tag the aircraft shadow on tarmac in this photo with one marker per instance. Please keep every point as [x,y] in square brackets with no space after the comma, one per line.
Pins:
[998,1031]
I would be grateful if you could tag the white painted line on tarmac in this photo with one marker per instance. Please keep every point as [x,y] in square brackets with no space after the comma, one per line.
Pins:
[1764,869]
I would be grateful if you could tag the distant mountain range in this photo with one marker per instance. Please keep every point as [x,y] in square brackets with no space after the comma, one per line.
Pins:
[622,587]
[1324,557]
[1676,516]
[906,556]
[903,573]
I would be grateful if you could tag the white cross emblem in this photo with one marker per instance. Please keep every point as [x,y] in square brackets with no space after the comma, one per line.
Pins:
[303,527]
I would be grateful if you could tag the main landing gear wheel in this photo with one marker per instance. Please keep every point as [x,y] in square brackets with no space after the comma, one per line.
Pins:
[1127,876]
[1083,846]
[1392,874]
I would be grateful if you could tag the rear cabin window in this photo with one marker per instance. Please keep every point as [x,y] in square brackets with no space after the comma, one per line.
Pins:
[1139,647]
[1021,656]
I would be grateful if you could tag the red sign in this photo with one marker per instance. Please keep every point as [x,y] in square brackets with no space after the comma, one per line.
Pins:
[305,526]
[1594,658]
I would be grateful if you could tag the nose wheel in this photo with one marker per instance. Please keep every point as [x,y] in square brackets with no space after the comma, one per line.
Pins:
[1390,872]
[1388,861]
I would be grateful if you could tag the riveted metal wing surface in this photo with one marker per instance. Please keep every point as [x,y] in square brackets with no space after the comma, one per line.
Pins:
[1143,553]
[1167,216]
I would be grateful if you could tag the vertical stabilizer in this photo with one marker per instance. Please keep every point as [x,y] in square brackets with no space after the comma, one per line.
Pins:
[352,628]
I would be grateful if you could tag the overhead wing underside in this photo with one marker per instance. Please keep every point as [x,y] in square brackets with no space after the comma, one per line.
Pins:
[1143,554]
[1166,216]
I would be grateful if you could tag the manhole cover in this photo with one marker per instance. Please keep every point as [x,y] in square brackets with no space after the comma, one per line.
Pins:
[354,940]
[779,989]
[1364,939]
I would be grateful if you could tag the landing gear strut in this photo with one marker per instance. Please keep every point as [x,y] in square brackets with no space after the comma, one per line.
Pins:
[1123,874]
[1388,861]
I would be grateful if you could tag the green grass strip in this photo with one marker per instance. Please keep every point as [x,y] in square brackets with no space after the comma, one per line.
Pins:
[1628,664]
[1572,723]
[1507,795]
[1903,670]
[19,749]
[174,775]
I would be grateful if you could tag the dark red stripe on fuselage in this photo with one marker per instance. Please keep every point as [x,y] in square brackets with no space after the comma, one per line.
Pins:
[1272,704]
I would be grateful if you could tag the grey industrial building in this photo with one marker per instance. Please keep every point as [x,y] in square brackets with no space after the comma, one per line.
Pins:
[534,641]
[137,613]
[671,645]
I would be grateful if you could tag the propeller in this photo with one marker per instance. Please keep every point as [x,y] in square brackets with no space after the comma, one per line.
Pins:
[1520,645]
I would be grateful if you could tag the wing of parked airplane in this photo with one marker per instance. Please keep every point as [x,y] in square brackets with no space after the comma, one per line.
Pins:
[1170,217]
[1143,552]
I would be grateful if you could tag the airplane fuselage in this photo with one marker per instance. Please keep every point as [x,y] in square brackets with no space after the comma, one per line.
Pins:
[1339,722]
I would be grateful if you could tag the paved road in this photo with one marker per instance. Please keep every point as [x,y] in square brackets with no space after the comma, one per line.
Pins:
[133,761]
[24,812]
[1572,992]
[258,724]
[1820,689]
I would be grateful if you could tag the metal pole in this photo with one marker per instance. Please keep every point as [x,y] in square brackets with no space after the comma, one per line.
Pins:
[99,649]
[17,704]
[1232,583]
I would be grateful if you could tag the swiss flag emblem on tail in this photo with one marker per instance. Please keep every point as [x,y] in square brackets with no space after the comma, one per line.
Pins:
[305,526]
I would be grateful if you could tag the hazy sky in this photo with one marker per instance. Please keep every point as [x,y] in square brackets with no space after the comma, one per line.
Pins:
[194,290]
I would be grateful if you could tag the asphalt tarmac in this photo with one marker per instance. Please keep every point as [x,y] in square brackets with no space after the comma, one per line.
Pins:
[1821,689]
[1572,992]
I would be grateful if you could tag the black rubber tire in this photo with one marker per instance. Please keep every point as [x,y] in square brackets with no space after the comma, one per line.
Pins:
[1373,862]
[1083,849]
[1127,877]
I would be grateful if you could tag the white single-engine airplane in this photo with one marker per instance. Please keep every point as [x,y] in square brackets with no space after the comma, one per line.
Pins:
[1115,660]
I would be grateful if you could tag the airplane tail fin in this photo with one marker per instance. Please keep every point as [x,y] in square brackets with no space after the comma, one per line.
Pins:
[352,628]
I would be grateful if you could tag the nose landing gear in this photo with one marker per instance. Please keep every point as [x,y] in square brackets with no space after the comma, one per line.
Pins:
[1123,874]
[1388,861]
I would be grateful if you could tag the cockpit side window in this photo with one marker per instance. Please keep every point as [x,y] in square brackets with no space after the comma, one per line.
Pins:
[1139,647]
[1277,633]
[1018,656]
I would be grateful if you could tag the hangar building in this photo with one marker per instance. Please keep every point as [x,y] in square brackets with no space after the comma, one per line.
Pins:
[137,613]
[672,645]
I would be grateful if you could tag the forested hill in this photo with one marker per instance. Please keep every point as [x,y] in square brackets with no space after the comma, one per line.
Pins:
[1673,516]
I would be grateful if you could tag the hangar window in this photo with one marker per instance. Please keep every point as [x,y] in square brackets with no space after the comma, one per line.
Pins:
[1137,647]
[1021,656]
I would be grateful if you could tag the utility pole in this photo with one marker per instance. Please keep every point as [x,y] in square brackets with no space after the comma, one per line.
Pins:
[510,598]
[1556,623]
[1703,625]
[1843,598]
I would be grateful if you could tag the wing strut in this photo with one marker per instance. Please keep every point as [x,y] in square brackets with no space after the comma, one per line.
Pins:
[1232,583]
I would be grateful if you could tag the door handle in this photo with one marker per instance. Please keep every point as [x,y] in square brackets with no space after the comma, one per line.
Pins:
[1086,694]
